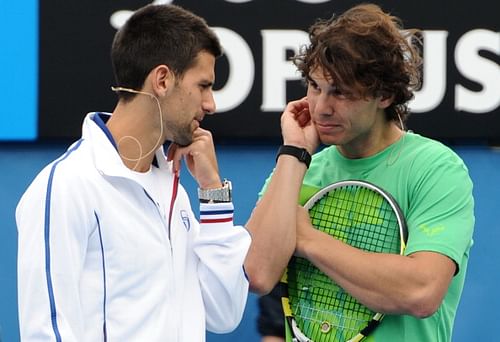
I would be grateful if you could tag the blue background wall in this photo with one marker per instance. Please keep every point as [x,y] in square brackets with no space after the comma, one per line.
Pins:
[19,61]
[248,166]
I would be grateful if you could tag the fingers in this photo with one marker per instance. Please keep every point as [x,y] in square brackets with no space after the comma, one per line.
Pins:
[199,157]
[200,132]
[303,117]
[299,111]
[176,153]
[297,126]
[304,229]
[297,106]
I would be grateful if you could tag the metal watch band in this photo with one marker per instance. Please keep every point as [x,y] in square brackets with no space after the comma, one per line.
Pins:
[298,152]
[217,195]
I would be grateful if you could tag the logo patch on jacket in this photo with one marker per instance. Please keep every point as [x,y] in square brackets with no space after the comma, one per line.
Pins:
[185,220]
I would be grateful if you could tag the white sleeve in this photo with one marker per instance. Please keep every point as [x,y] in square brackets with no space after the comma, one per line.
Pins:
[52,238]
[222,248]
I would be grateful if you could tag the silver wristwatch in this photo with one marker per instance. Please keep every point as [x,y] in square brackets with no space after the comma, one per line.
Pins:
[217,195]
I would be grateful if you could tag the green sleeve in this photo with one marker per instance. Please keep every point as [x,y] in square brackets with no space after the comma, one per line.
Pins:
[441,215]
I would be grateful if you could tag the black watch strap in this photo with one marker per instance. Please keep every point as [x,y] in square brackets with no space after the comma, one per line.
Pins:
[298,152]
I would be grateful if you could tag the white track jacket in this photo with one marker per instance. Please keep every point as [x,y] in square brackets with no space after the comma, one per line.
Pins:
[99,260]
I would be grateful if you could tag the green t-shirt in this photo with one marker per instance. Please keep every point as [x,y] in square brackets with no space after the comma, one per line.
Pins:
[434,190]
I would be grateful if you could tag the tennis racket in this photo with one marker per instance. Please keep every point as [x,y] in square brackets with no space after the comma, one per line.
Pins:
[363,216]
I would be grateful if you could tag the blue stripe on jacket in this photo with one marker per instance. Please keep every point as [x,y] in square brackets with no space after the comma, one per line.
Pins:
[48,198]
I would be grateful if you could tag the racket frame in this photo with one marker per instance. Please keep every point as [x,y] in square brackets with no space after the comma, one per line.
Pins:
[297,334]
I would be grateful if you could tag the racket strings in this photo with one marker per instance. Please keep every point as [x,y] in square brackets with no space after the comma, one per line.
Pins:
[322,309]
[358,217]
[320,316]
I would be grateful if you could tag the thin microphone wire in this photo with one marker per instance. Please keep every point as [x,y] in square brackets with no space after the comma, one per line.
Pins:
[158,142]
[401,122]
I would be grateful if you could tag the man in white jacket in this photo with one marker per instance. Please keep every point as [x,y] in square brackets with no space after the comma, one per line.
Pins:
[109,248]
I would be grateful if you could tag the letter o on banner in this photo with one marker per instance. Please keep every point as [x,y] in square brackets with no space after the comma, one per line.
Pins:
[241,70]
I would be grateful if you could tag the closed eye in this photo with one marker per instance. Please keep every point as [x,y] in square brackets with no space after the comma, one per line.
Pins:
[206,85]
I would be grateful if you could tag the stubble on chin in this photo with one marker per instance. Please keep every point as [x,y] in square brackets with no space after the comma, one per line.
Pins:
[184,138]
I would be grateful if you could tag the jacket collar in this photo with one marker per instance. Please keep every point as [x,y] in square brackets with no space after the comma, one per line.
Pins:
[104,148]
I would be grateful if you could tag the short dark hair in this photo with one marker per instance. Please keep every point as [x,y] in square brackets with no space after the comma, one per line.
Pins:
[367,53]
[156,35]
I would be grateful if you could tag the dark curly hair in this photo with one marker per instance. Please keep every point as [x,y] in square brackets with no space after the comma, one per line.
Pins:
[367,53]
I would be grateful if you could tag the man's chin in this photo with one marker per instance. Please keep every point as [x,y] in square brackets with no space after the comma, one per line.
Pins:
[183,141]
[332,139]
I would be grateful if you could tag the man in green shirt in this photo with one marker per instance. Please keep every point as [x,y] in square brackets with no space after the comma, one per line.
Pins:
[361,69]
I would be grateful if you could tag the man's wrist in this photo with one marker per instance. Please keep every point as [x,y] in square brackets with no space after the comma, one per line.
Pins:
[298,152]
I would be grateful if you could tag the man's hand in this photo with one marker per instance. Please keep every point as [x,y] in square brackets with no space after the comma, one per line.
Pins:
[200,159]
[297,127]
[305,231]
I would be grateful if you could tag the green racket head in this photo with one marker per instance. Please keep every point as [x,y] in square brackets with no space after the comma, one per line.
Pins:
[360,215]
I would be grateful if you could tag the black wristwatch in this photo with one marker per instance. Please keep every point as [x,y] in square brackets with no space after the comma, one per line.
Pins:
[298,152]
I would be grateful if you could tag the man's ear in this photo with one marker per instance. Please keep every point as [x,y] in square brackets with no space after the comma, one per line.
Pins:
[385,101]
[161,79]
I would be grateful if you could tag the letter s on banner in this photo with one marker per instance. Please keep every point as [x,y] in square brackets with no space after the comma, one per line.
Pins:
[478,69]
